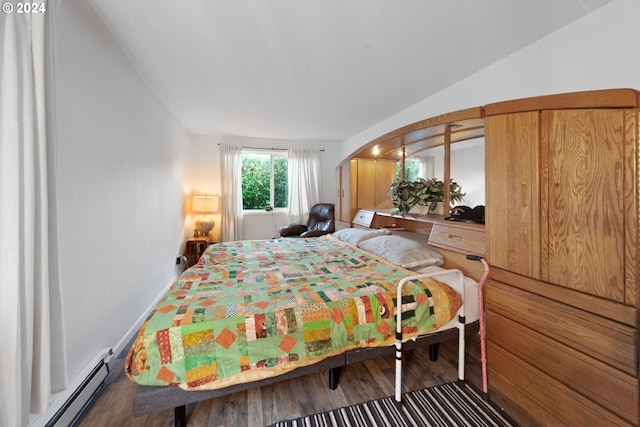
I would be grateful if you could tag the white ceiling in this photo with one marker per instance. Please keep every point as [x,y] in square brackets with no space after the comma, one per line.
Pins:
[318,69]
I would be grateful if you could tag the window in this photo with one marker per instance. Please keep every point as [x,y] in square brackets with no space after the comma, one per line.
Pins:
[264,179]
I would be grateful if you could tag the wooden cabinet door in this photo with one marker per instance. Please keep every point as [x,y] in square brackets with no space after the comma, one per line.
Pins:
[586,182]
[366,179]
[374,179]
[344,193]
[385,175]
[512,188]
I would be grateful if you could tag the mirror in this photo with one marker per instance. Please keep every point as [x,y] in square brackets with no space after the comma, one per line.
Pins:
[447,146]
[466,168]
[426,164]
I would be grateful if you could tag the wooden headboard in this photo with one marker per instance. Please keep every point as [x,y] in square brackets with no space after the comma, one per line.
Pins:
[453,239]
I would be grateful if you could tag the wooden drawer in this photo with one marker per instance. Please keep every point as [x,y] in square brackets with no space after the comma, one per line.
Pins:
[598,337]
[363,218]
[616,391]
[458,238]
[550,401]
[562,364]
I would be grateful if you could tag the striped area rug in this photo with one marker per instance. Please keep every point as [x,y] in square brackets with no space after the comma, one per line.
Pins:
[442,405]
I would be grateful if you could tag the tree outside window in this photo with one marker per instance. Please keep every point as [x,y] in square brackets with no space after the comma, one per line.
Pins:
[411,167]
[264,180]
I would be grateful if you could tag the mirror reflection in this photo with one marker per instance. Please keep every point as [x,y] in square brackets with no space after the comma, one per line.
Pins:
[428,164]
[467,168]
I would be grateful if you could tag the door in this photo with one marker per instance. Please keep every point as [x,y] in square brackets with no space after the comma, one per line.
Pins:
[585,184]
[344,193]
[512,192]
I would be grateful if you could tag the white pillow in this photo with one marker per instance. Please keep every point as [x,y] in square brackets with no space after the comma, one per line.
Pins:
[403,252]
[416,237]
[357,235]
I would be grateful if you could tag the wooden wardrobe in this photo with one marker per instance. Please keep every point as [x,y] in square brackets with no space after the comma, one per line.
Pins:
[562,242]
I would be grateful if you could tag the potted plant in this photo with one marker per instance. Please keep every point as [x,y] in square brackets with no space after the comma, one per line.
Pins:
[405,195]
[423,192]
[436,193]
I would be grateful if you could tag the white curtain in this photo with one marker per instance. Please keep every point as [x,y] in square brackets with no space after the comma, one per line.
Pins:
[32,356]
[427,166]
[305,178]
[231,169]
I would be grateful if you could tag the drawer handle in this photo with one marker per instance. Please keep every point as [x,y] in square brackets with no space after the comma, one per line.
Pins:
[453,236]
[524,196]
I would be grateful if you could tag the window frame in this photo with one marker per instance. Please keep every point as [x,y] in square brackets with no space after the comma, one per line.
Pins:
[272,153]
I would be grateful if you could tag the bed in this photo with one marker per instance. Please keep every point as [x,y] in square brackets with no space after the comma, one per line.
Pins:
[254,312]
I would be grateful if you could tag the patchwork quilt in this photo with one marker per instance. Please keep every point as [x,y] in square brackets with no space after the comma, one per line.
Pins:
[256,309]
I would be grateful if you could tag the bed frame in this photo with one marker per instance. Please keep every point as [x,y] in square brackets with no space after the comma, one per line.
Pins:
[150,399]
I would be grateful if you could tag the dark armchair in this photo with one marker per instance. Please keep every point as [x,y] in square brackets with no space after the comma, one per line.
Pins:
[321,221]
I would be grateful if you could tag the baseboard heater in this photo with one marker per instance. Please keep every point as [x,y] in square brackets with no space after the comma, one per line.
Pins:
[83,394]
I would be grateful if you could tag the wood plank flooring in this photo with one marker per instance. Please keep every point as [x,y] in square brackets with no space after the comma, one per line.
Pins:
[306,395]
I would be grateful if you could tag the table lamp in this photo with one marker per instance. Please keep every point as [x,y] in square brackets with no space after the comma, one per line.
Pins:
[204,205]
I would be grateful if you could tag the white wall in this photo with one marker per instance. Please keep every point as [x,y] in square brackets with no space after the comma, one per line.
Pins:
[467,169]
[203,175]
[599,51]
[120,166]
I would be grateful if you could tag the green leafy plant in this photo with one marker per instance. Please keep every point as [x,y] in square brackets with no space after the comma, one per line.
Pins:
[455,192]
[404,195]
[424,192]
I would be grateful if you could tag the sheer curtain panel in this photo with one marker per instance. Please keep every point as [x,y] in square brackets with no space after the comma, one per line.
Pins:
[426,168]
[32,360]
[305,178]
[231,169]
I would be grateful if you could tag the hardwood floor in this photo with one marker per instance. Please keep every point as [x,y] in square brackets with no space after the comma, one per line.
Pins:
[306,395]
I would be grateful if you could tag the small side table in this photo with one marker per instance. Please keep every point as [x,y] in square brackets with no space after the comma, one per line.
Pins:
[194,248]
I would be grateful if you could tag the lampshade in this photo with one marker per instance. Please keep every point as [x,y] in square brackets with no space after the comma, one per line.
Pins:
[204,205]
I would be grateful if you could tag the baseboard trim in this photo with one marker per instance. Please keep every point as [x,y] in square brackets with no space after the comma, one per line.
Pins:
[66,397]
[124,342]
[89,376]
[81,398]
